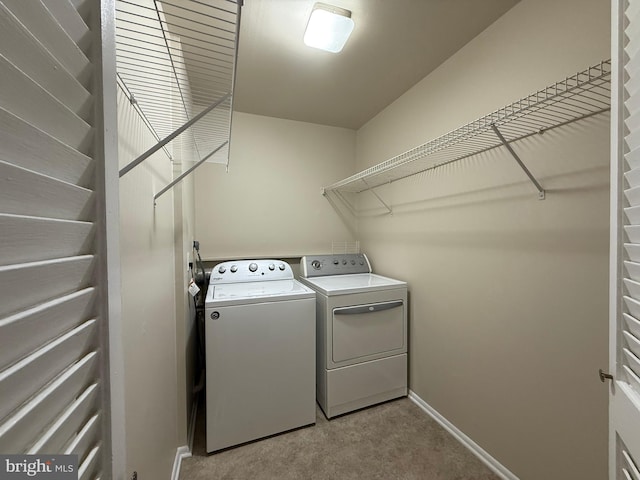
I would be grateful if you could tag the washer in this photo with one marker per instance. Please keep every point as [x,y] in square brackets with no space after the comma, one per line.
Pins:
[260,352]
[361,332]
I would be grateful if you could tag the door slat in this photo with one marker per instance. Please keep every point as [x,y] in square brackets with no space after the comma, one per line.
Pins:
[36,18]
[70,21]
[22,429]
[54,278]
[27,239]
[24,50]
[88,466]
[66,426]
[84,440]
[31,148]
[41,109]
[25,192]
[44,322]
[23,379]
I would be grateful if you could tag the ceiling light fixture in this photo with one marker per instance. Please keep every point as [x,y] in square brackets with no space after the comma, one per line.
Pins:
[329,28]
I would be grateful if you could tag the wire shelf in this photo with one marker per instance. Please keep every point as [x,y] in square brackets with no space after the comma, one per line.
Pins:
[175,58]
[582,95]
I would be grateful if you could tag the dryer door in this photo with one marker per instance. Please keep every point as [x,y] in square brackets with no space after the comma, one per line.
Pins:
[368,330]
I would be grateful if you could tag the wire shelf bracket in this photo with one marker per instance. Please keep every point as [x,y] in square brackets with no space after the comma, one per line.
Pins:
[187,172]
[541,192]
[577,97]
[124,170]
[378,197]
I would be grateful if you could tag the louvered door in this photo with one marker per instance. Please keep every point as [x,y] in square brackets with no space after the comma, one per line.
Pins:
[625,241]
[53,284]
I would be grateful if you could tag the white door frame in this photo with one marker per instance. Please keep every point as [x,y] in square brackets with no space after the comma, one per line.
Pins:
[107,185]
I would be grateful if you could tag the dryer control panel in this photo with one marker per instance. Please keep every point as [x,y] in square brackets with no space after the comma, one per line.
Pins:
[242,271]
[337,264]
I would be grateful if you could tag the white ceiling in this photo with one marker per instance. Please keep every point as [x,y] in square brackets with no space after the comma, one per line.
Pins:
[395,43]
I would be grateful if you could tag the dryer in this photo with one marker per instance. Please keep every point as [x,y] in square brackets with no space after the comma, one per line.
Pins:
[361,332]
[260,352]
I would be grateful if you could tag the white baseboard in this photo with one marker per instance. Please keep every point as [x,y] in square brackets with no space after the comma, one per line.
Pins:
[181,452]
[487,459]
[185,450]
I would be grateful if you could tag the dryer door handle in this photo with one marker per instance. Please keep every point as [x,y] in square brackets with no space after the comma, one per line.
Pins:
[372,307]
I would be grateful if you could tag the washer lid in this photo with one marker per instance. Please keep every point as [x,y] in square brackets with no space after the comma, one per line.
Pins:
[256,292]
[357,283]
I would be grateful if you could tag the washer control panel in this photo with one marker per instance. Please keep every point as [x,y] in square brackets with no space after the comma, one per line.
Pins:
[338,264]
[241,271]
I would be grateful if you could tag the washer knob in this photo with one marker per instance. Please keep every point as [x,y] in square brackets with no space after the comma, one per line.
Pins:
[336,262]
[344,262]
[253,267]
[316,264]
[353,262]
[272,267]
[222,269]
[281,267]
[234,268]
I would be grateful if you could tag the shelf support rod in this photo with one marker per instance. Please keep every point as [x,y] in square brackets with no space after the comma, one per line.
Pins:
[346,202]
[167,139]
[184,174]
[343,200]
[377,196]
[504,142]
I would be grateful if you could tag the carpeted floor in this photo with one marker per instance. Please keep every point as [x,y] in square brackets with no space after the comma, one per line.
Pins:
[391,441]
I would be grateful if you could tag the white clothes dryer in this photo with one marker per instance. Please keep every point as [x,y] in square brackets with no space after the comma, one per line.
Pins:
[260,352]
[361,332]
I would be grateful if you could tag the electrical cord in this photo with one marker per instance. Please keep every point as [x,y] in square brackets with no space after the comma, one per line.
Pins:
[199,303]
[202,282]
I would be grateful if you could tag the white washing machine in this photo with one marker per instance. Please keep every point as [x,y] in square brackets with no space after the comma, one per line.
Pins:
[361,332]
[260,352]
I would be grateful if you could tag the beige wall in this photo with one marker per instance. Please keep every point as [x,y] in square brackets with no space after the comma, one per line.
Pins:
[148,303]
[508,294]
[269,203]
[186,340]
[184,151]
